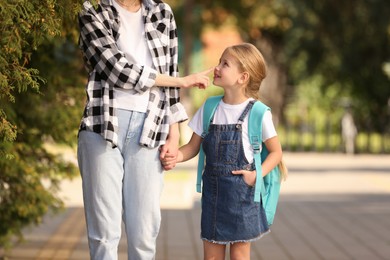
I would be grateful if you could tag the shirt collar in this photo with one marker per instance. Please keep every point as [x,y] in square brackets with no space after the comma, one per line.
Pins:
[145,2]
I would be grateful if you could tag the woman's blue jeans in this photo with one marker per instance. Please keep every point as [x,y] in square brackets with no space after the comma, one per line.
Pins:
[124,182]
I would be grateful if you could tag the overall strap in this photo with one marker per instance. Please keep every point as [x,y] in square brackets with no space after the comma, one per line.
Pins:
[246,110]
[256,139]
[208,114]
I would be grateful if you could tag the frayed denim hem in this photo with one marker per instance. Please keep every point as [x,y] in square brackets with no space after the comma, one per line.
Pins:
[237,241]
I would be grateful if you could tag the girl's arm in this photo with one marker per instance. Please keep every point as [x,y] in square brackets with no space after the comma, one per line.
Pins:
[189,150]
[185,153]
[275,155]
[273,159]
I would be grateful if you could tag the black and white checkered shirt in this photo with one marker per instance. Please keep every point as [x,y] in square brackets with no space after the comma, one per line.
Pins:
[108,69]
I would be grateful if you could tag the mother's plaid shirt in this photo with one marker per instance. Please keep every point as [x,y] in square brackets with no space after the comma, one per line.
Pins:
[108,69]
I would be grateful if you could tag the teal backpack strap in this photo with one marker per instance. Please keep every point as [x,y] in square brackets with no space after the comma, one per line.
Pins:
[208,112]
[267,188]
[256,140]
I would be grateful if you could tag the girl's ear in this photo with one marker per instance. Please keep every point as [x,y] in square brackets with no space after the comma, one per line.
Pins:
[244,78]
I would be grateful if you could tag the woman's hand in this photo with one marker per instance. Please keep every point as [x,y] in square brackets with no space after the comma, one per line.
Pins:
[200,80]
[249,176]
[171,147]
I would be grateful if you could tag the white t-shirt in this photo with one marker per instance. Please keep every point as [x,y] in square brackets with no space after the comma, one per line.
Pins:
[133,43]
[229,114]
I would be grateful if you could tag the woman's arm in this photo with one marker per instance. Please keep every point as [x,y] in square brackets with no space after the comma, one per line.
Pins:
[171,146]
[200,80]
[101,53]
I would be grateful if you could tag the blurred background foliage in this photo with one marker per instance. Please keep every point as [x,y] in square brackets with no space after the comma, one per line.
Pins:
[324,57]
[41,92]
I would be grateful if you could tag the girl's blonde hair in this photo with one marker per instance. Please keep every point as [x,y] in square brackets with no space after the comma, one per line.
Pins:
[283,170]
[252,61]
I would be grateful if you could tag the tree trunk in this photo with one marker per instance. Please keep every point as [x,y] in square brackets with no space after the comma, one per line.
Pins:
[273,90]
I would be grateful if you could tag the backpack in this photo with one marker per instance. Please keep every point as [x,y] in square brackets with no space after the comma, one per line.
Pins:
[266,188]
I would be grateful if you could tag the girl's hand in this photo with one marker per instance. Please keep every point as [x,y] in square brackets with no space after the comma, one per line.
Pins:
[249,176]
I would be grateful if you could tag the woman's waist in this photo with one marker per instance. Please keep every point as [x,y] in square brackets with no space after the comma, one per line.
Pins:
[129,99]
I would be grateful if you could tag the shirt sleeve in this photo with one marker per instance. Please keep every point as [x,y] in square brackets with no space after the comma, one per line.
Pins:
[101,53]
[177,111]
[196,123]
[268,130]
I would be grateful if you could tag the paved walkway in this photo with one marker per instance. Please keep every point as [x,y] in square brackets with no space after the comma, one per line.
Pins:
[332,206]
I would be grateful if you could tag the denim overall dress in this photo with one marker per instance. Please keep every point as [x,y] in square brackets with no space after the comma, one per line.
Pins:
[229,213]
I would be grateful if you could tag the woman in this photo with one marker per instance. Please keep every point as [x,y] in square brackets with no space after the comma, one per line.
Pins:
[132,111]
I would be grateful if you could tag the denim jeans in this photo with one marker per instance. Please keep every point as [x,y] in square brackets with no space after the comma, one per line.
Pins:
[121,183]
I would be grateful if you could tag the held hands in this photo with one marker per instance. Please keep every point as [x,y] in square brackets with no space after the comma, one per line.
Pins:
[249,176]
[168,160]
[169,150]
[200,80]
[171,147]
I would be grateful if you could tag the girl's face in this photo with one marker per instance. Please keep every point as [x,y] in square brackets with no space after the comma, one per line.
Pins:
[227,73]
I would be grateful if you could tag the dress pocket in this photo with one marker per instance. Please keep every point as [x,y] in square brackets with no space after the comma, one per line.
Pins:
[242,180]
[228,151]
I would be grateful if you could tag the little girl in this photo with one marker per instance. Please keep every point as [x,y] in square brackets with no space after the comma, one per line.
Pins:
[229,213]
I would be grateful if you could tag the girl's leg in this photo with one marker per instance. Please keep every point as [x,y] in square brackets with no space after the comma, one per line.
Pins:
[240,251]
[212,251]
